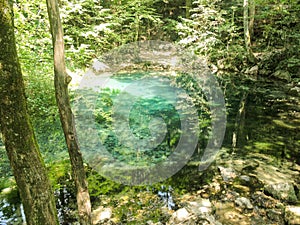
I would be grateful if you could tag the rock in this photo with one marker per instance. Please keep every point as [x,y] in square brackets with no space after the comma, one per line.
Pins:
[228,174]
[196,212]
[243,203]
[245,178]
[292,215]
[101,214]
[208,220]
[282,191]
[268,174]
[199,207]
[179,216]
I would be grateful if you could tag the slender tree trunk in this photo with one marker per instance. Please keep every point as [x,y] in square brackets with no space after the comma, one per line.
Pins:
[18,136]
[238,136]
[61,81]
[247,36]
[251,17]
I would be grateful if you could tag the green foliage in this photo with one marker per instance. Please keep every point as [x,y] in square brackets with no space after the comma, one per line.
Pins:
[197,98]
[141,114]
[5,171]
[142,120]
[278,23]
[92,29]
[213,31]
[35,51]
[98,185]
[59,173]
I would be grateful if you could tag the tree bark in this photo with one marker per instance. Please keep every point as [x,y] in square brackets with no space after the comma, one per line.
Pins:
[61,80]
[238,136]
[18,136]
[247,36]
[251,17]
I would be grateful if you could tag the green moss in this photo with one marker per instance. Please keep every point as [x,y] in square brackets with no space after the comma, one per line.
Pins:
[262,146]
[59,172]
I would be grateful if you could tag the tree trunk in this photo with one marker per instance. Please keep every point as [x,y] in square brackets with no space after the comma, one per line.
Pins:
[18,136]
[247,36]
[238,136]
[251,15]
[61,81]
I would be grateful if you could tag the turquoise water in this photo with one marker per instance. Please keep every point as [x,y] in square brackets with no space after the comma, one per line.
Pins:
[270,126]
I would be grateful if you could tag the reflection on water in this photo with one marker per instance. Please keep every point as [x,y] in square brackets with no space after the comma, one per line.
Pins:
[11,213]
[268,125]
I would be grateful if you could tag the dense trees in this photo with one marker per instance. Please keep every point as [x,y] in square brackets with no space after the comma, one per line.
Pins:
[20,143]
[243,42]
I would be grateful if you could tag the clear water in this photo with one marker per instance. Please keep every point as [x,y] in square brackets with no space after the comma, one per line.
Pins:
[270,126]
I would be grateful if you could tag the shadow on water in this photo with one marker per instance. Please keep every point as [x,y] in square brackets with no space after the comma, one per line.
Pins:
[269,123]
